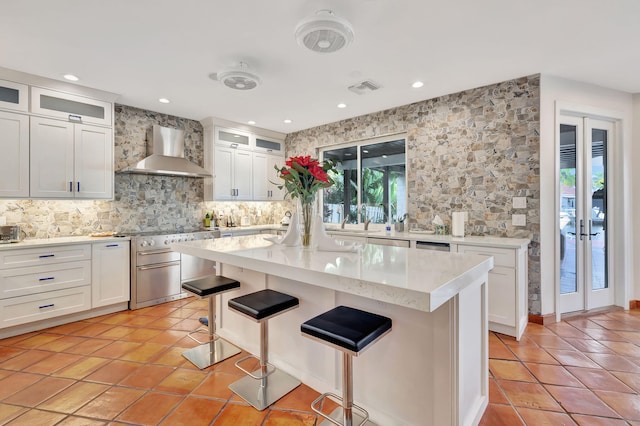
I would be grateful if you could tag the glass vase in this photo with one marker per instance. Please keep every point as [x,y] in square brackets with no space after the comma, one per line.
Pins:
[306,214]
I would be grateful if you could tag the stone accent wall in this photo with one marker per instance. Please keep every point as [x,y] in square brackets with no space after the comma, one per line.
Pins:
[469,151]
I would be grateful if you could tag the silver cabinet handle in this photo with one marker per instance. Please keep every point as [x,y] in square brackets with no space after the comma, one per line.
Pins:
[46,279]
[78,186]
[70,186]
[42,256]
[50,305]
[75,118]
[112,245]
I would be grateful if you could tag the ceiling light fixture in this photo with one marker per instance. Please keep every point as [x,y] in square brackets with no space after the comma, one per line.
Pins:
[287,121]
[238,78]
[342,105]
[324,32]
[251,122]
[71,77]
[417,84]
[164,100]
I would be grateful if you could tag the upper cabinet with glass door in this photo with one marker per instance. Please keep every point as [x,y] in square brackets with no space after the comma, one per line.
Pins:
[269,145]
[77,109]
[14,96]
[370,183]
[233,138]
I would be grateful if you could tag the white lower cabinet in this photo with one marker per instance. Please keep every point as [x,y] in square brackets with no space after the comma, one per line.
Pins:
[40,283]
[508,287]
[110,273]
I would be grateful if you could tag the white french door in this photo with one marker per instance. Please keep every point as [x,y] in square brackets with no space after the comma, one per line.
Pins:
[584,211]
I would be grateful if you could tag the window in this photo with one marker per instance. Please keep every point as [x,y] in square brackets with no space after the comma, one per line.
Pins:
[371,182]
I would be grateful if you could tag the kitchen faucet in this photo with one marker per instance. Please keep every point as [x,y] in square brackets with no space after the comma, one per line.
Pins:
[343,222]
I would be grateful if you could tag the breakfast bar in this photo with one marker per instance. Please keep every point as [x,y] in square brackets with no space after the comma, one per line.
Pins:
[431,369]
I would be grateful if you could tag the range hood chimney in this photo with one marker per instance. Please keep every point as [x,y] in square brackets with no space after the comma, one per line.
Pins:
[167,156]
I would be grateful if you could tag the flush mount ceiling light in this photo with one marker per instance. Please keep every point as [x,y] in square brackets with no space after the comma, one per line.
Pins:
[237,78]
[71,77]
[324,32]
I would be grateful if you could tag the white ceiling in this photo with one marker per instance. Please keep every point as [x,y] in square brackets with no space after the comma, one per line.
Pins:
[147,49]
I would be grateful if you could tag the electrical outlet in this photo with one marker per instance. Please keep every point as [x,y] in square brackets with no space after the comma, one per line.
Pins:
[519,202]
[519,220]
[259,213]
[3,220]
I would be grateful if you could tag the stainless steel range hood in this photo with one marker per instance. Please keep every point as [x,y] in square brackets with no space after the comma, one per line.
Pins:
[167,156]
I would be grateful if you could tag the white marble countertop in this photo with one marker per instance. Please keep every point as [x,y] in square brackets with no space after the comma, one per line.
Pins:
[418,279]
[57,241]
[486,241]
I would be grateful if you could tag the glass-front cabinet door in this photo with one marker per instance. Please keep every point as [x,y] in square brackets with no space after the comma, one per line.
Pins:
[14,96]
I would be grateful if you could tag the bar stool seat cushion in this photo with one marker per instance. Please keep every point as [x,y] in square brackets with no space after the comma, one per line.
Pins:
[347,327]
[212,284]
[263,303]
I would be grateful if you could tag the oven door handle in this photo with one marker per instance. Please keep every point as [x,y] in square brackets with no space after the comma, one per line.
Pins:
[151,252]
[160,265]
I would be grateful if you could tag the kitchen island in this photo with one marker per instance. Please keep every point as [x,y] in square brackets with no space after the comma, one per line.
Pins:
[432,369]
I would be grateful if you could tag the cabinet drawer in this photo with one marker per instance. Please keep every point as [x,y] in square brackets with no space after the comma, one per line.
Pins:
[24,309]
[502,296]
[501,257]
[44,256]
[39,279]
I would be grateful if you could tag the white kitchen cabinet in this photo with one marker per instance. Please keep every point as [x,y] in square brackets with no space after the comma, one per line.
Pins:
[14,96]
[232,138]
[74,108]
[270,146]
[14,161]
[70,160]
[265,177]
[508,287]
[109,273]
[41,283]
[233,174]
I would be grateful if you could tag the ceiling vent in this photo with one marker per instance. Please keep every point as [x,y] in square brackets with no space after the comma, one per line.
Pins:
[364,87]
[324,32]
[238,78]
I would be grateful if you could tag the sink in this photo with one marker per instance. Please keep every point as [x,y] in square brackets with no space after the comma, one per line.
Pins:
[352,231]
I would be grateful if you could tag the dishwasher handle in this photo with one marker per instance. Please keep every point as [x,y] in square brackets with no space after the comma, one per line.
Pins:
[433,245]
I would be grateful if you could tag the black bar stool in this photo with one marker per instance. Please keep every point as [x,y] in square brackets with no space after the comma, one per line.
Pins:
[267,384]
[351,331]
[214,349]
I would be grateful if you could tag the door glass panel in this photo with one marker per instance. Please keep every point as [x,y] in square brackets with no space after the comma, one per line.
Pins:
[233,137]
[263,143]
[340,201]
[568,252]
[598,209]
[10,95]
[74,107]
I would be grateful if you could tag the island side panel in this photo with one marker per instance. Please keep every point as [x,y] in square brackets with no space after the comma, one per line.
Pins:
[421,352]
[472,317]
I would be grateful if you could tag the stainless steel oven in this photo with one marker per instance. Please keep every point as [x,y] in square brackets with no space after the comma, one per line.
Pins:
[157,271]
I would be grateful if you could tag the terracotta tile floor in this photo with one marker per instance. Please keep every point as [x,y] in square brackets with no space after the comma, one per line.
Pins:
[127,368]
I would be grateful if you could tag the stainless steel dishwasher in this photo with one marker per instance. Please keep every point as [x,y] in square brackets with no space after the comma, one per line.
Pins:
[433,245]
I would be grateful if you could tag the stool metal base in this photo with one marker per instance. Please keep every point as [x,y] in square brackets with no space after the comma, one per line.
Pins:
[359,415]
[207,354]
[338,416]
[264,392]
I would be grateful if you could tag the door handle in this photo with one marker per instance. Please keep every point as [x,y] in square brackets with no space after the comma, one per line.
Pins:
[591,233]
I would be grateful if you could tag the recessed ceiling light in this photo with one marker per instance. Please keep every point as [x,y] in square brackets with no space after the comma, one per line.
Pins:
[342,105]
[164,100]
[287,121]
[71,77]
[251,122]
[417,84]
